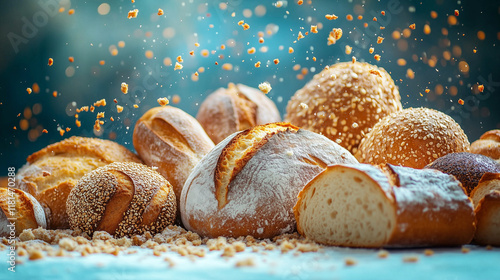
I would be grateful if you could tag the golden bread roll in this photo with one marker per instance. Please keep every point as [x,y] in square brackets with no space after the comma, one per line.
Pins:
[19,211]
[486,198]
[123,199]
[344,101]
[468,168]
[413,137]
[52,172]
[236,108]
[488,145]
[248,184]
[172,140]
[368,206]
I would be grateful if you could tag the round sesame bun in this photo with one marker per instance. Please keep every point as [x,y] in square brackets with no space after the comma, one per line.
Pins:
[344,101]
[488,145]
[236,108]
[52,172]
[20,208]
[466,167]
[123,199]
[413,137]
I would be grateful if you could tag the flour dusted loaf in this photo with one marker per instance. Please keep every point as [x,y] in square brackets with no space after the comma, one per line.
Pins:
[488,144]
[248,184]
[468,168]
[236,108]
[21,209]
[486,198]
[344,101]
[368,206]
[123,199]
[52,172]
[173,141]
[413,137]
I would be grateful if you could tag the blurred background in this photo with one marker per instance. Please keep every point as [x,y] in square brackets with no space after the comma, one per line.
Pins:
[438,64]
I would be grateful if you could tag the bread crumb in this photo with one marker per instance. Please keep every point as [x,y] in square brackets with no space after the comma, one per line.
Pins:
[410,259]
[375,72]
[257,65]
[300,36]
[245,262]
[350,262]
[124,88]
[348,49]
[380,40]
[349,17]
[428,252]
[246,26]
[265,87]
[371,50]
[251,50]
[465,250]
[35,255]
[461,101]
[119,108]
[412,26]
[71,11]
[276,61]
[229,251]
[480,88]
[29,90]
[383,254]
[239,246]
[290,50]
[178,66]
[45,131]
[330,17]
[377,57]
[135,106]
[456,13]
[160,12]
[170,262]
[51,61]
[133,13]
[163,101]
[300,2]
[335,35]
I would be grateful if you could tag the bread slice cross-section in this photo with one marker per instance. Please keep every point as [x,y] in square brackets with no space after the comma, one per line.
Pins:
[486,198]
[367,206]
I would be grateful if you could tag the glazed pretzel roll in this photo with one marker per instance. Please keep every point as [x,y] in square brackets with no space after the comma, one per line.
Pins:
[172,140]
[344,101]
[248,184]
[413,137]
[52,172]
[123,199]
[236,108]
[468,168]
[486,198]
[367,206]
[22,209]
[488,144]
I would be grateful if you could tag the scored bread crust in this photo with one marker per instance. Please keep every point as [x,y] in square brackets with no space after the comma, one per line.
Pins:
[428,208]
[486,198]
[236,108]
[122,198]
[258,199]
[172,140]
[488,144]
[27,212]
[52,172]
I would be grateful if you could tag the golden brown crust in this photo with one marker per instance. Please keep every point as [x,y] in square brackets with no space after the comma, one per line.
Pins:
[488,219]
[52,172]
[122,198]
[27,212]
[488,145]
[170,139]
[413,137]
[236,108]
[344,101]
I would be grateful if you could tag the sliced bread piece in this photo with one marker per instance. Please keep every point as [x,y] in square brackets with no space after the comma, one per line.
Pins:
[486,198]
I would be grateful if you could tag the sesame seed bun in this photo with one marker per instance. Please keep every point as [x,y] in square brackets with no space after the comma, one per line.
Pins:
[344,101]
[413,137]
[123,199]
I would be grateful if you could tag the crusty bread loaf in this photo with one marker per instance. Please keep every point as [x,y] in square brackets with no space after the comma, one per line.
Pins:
[468,168]
[486,198]
[344,101]
[236,108]
[52,172]
[367,206]
[170,139]
[413,137]
[123,199]
[248,184]
[488,145]
[21,209]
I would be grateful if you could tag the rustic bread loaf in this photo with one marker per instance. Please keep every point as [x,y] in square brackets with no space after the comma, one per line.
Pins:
[344,101]
[236,108]
[123,199]
[248,184]
[52,172]
[413,137]
[468,168]
[21,210]
[173,141]
[488,144]
[486,198]
[368,206]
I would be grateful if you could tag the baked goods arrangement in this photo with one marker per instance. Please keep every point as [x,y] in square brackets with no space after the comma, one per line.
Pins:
[236,108]
[378,206]
[51,173]
[122,199]
[19,211]
[248,184]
